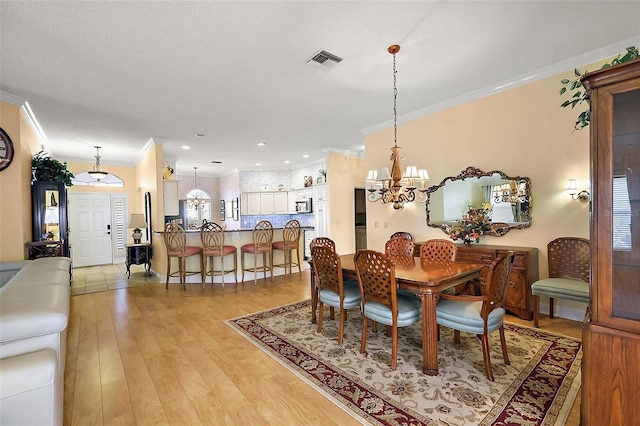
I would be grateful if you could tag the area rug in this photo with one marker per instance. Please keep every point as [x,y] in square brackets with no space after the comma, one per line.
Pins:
[538,388]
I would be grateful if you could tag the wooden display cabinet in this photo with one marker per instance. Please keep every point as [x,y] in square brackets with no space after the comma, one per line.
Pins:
[611,337]
[49,214]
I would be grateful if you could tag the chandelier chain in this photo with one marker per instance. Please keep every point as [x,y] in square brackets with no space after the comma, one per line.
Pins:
[395,103]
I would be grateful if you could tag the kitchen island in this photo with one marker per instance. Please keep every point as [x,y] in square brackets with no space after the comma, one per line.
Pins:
[236,238]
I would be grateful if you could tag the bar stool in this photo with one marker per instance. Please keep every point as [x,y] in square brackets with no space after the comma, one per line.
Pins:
[262,238]
[175,241]
[291,241]
[212,237]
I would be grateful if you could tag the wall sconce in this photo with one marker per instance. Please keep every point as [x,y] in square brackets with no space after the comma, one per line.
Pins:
[572,187]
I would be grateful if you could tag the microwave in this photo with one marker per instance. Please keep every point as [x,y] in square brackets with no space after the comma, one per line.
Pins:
[304,206]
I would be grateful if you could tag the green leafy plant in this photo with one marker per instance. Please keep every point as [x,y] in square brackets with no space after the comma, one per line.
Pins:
[45,168]
[580,95]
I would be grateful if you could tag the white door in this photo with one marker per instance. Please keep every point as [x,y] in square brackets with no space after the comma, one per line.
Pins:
[90,229]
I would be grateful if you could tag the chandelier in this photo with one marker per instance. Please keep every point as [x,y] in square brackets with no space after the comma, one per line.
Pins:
[396,188]
[509,193]
[195,203]
[96,176]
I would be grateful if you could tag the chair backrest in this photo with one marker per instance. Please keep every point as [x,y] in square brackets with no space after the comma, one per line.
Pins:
[569,257]
[377,278]
[400,247]
[322,242]
[263,234]
[496,284]
[439,250]
[328,269]
[212,236]
[175,239]
[291,231]
[401,234]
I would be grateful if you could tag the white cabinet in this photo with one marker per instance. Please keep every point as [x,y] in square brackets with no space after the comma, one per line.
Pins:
[321,217]
[305,193]
[253,202]
[320,193]
[280,202]
[292,197]
[170,195]
[267,205]
[243,203]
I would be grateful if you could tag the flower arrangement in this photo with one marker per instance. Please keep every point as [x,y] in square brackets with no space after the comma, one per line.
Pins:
[474,222]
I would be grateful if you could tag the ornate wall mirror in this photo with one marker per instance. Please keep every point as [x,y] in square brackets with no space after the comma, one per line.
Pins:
[507,198]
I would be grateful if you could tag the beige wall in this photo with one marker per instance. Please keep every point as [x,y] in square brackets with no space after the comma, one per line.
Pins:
[522,132]
[15,185]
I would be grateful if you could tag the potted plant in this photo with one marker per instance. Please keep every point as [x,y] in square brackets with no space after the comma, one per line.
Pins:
[475,222]
[45,168]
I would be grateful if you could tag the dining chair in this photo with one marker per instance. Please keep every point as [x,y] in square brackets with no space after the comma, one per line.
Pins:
[212,238]
[480,315]
[569,271]
[400,246]
[439,250]
[332,289]
[401,234]
[290,242]
[175,241]
[380,301]
[262,237]
[319,242]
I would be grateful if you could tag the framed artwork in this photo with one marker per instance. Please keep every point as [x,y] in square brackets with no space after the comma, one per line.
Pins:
[222,210]
[235,209]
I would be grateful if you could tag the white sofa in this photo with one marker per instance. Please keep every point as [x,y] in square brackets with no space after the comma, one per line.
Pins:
[34,314]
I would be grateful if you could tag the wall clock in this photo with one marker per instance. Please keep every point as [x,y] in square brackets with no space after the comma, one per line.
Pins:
[6,150]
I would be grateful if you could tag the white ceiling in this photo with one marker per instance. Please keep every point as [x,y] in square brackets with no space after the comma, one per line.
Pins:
[117,73]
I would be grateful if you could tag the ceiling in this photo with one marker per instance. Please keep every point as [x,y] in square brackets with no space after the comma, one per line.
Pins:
[117,73]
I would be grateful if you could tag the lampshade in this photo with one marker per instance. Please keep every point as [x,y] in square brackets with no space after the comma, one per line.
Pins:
[96,176]
[136,220]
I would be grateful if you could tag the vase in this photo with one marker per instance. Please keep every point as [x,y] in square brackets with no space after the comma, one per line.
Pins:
[467,243]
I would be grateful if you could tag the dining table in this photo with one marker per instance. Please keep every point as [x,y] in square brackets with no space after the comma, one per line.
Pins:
[426,279]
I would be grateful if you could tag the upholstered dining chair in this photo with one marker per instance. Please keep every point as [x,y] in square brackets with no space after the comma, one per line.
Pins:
[401,234]
[319,242]
[380,301]
[569,271]
[480,315]
[332,290]
[212,238]
[175,241]
[290,242]
[262,237]
[399,247]
[439,250]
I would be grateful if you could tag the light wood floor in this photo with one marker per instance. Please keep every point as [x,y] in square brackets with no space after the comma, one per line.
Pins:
[144,355]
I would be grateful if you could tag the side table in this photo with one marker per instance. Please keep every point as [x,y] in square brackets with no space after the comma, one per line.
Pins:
[47,248]
[138,254]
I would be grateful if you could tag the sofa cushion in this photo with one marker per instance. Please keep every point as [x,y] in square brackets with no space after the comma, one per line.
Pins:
[62,263]
[9,269]
[37,277]
[33,311]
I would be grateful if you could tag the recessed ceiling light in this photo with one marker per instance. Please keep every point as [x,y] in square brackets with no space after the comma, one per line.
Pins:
[199,135]
[258,164]
[261,144]
[305,156]
[186,147]
[286,161]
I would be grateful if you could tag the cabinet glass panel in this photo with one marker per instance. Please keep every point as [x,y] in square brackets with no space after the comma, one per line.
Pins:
[626,205]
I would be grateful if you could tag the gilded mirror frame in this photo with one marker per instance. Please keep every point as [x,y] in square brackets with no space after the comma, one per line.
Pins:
[521,199]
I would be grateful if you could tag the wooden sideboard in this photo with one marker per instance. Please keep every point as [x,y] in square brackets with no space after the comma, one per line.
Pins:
[523,273]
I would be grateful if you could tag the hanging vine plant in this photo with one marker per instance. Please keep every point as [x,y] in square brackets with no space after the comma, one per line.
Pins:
[580,95]
[45,168]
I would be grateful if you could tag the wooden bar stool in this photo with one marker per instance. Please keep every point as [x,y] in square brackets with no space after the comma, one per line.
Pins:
[175,241]
[212,237]
[262,238]
[291,241]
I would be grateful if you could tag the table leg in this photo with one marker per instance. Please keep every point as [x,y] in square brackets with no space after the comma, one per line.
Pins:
[147,268]
[128,269]
[429,334]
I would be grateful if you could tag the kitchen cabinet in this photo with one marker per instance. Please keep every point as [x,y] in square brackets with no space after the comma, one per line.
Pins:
[292,197]
[170,195]
[280,202]
[253,202]
[267,204]
[611,333]
[243,203]
[320,193]
[523,272]
[49,214]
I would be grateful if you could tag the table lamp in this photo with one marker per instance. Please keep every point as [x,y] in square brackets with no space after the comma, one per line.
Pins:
[136,221]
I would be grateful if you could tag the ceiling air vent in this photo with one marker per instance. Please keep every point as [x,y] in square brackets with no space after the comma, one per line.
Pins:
[323,59]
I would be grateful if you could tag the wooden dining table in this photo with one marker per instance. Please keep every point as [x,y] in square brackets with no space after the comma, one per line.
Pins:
[426,279]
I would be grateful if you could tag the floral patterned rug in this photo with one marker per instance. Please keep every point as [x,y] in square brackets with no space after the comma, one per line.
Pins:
[538,388]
